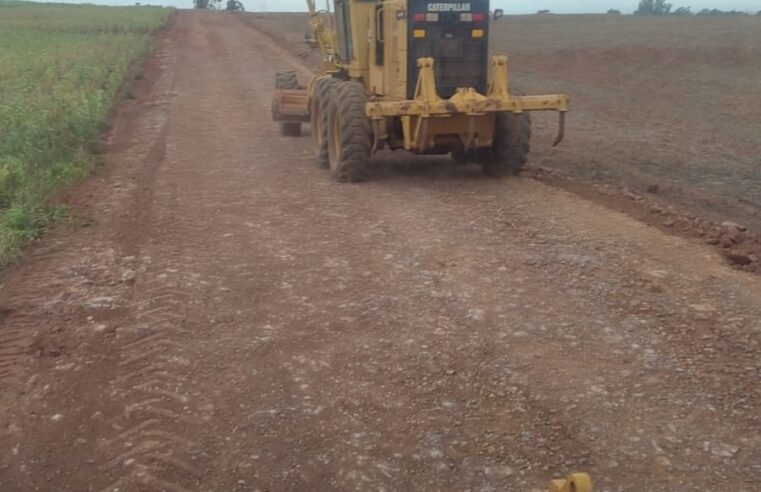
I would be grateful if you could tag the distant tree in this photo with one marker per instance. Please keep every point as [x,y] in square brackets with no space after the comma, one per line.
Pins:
[683,11]
[662,7]
[722,12]
[235,6]
[653,7]
[206,4]
[545,11]
[614,12]
[645,7]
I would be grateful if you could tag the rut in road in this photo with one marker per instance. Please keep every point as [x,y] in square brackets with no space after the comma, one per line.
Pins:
[235,320]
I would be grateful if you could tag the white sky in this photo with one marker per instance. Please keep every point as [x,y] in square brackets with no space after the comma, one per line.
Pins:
[510,6]
[559,6]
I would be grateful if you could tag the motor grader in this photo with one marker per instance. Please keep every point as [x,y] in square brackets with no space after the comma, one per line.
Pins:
[412,75]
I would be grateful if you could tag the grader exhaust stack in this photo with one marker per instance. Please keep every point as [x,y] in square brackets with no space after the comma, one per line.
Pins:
[413,75]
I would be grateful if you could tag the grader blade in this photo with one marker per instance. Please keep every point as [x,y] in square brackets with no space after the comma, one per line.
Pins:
[290,105]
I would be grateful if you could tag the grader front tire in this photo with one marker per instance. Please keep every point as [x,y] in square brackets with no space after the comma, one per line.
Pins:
[349,133]
[320,106]
[512,144]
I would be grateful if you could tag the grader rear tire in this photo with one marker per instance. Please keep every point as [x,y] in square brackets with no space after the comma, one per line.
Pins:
[349,133]
[287,79]
[512,144]
[320,106]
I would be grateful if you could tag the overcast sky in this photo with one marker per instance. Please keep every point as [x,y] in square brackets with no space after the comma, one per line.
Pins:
[560,6]
[510,6]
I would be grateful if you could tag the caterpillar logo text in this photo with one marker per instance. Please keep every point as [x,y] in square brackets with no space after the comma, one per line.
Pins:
[449,7]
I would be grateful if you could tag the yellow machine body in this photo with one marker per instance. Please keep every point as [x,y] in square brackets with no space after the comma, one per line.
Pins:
[369,41]
[413,75]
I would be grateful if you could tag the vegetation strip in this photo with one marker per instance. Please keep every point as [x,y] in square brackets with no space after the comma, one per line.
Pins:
[60,69]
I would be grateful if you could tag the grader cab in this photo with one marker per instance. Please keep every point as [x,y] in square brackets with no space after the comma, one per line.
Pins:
[413,75]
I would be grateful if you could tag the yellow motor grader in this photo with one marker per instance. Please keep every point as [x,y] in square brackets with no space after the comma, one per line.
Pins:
[412,75]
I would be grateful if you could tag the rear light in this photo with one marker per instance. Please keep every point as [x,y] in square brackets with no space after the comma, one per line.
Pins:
[429,17]
[472,17]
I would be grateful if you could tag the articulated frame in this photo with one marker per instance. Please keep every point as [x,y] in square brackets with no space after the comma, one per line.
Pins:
[427,104]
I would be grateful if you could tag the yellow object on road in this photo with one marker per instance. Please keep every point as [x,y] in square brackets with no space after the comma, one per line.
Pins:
[576,482]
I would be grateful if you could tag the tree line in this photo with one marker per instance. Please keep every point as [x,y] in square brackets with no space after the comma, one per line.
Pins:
[662,7]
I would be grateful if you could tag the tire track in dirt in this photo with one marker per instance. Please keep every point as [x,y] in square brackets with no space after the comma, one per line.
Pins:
[138,410]
[18,322]
[53,294]
[37,304]
[13,345]
[151,390]
[153,406]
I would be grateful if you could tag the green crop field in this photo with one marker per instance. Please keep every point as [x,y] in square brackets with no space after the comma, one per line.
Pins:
[60,69]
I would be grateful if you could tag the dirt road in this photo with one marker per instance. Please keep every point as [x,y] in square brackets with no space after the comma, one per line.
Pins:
[235,320]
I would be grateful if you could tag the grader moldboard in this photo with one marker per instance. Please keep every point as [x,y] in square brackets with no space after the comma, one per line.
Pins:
[412,75]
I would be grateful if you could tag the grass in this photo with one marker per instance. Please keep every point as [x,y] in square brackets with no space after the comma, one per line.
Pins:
[60,68]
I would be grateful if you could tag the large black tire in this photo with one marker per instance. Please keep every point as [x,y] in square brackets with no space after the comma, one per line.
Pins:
[320,106]
[512,144]
[287,79]
[349,133]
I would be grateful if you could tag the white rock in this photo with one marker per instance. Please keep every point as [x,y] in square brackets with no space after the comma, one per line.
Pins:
[128,276]
[99,302]
[723,449]
[732,225]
